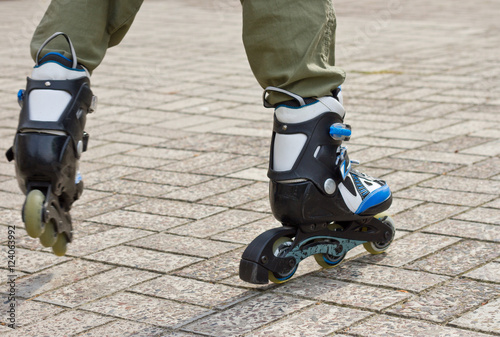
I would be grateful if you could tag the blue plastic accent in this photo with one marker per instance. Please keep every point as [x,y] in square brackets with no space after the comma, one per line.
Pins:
[375,198]
[20,95]
[288,276]
[52,61]
[58,54]
[334,262]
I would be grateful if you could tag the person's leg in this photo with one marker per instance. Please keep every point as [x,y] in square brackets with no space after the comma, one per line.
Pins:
[290,44]
[326,207]
[92,25]
[50,138]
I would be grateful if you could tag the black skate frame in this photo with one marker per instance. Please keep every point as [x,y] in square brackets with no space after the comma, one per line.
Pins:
[258,259]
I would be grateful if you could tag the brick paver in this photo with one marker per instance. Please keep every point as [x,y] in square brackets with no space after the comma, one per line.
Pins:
[176,186]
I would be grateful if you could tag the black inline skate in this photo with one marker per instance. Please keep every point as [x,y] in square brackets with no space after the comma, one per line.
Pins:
[326,207]
[49,142]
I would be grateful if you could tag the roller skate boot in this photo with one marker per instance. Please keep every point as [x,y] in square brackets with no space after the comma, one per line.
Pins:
[325,206]
[48,144]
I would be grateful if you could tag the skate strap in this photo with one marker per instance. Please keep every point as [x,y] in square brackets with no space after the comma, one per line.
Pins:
[52,37]
[299,99]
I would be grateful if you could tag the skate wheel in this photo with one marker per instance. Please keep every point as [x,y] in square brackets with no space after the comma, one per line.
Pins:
[32,213]
[49,236]
[376,248]
[328,261]
[280,248]
[59,248]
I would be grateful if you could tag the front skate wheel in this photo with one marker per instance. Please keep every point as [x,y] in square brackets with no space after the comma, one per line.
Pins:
[59,248]
[280,248]
[376,248]
[49,236]
[32,213]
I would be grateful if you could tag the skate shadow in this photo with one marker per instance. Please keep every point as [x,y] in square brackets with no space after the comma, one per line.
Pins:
[34,285]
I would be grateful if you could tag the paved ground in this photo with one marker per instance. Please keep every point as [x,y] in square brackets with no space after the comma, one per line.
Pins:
[176,183]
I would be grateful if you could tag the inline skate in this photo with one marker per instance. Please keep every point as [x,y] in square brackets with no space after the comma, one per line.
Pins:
[326,207]
[49,142]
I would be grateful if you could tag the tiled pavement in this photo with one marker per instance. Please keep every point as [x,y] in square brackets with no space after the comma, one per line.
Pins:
[176,183]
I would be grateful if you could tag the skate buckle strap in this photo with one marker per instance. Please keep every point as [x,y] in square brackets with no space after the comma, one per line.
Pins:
[344,163]
[299,99]
[53,36]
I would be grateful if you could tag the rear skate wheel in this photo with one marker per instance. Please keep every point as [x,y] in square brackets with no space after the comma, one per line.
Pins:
[49,236]
[61,245]
[327,260]
[376,248]
[32,213]
[280,248]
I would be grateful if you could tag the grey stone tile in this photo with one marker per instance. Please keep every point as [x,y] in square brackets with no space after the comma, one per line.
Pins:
[145,309]
[458,258]
[241,196]
[415,165]
[163,153]
[133,161]
[116,201]
[198,162]
[95,287]
[248,315]
[246,233]
[32,261]
[139,220]
[134,257]
[488,272]
[466,229]
[484,169]
[176,209]
[206,189]
[58,276]
[230,166]
[194,292]
[455,144]
[102,240]
[481,214]
[140,188]
[463,184]
[25,313]
[400,180]
[215,269]
[440,157]
[123,328]
[319,320]
[444,196]
[410,248]
[382,325]
[169,178]
[424,215]
[447,301]
[400,279]
[217,223]
[108,174]
[350,294]
[185,245]
[485,318]
[58,325]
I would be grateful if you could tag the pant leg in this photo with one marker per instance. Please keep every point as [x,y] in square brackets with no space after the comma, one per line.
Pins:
[290,44]
[92,25]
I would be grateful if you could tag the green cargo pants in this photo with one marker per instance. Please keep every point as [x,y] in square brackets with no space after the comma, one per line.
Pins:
[290,44]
